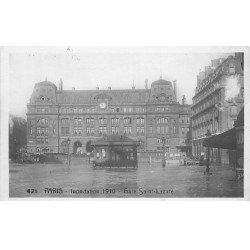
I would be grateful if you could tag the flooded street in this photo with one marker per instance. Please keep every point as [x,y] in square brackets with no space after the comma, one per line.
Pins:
[81,180]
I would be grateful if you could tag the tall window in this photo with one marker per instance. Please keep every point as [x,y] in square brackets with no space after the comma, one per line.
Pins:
[128,130]
[90,130]
[139,120]
[162,120]
[103,130]
[127,120]
[90,121]
[114,130]
[151,130]
[174,129]
[38,131]
[115,121]
[102,121]
[140,130]
[64,127]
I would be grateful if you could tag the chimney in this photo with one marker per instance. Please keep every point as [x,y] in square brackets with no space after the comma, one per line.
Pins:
[146,84]
[61,85]
[109,88]
[133,87]
[175,88]
[183,100]
[73,88]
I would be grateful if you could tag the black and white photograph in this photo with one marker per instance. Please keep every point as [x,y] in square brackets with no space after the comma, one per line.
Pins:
[126,122]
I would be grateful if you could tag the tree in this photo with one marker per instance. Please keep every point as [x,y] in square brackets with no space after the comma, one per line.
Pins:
[89,147]
[17,135]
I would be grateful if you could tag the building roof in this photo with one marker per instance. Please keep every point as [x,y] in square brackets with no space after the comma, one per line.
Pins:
[44,83]
[161,82]
[131,96]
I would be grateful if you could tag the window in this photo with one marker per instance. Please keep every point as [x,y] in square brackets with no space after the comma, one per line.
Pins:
[117,110]
[128,130]
[115,121]
[158,130]
[90,130]
[162,120]
[127,120]
[162,130]
[166,129]
[65,121]
[114,130]
[79,131]
[64,131]
[42,131]
[90,120]
[102,121]
[46,131]
[46,140]
[174,130]
[139,120]
[151,130]
[183,131]
[139,130]
[102,130]
[75,131]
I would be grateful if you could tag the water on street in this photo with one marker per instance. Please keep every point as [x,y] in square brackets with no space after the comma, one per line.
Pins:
[81,180]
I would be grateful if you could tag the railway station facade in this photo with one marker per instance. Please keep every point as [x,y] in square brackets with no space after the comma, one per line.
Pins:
[55,116]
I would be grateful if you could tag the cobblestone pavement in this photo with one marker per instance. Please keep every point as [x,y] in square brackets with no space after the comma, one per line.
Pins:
[147,181]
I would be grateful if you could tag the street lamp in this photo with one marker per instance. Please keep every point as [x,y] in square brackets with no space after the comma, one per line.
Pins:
[68,142]
[163,146]
[15,153]
[208,134]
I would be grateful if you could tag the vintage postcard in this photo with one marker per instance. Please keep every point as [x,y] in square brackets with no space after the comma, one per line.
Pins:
[123,122]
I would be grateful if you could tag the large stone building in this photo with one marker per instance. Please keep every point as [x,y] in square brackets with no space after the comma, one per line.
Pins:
[147,115]
[219,97]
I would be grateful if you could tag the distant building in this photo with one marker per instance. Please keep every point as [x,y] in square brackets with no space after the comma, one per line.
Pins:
[147,115]
[219,97]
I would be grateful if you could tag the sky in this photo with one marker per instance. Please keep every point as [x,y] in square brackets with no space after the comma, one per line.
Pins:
[88,68]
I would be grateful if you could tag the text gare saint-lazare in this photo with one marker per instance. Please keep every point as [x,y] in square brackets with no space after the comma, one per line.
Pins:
[139,191]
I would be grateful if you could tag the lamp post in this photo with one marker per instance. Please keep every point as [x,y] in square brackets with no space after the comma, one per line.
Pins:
[208,134]
[15,153]
[163,147]
[68,142]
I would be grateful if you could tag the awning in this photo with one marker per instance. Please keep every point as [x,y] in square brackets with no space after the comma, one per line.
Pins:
[226,140]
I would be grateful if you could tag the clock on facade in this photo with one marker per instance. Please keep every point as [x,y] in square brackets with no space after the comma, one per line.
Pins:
[103,105]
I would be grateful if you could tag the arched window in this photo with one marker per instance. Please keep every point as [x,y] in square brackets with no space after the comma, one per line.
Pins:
[162,120]
[127,120]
